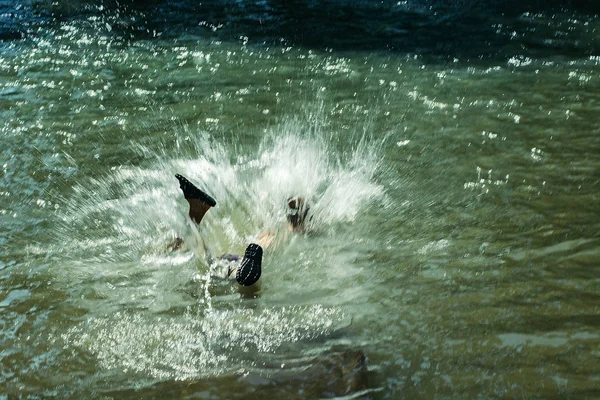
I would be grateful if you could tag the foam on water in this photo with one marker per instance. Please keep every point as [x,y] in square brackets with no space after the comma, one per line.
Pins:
[197,345]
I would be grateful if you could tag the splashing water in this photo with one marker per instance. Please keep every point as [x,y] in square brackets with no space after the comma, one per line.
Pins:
[133,212]
[115,231]
[196,345]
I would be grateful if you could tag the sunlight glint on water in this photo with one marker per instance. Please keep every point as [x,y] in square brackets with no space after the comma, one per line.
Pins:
[119,241]
[449,153]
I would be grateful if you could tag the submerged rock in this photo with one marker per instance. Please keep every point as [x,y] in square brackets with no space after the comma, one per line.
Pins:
[336,375]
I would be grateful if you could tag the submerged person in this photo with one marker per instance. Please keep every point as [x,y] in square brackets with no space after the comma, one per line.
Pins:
[248,271]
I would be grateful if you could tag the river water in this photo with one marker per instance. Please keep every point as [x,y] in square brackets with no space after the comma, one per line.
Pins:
[450,153]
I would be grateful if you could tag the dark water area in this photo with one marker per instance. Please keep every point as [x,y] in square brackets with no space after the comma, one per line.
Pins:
[450,151]
[443,30]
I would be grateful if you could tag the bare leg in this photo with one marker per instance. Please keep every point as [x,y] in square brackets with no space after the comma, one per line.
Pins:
[265,239]
[199,202]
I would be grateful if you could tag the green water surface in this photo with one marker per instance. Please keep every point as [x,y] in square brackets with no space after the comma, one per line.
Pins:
[455,202]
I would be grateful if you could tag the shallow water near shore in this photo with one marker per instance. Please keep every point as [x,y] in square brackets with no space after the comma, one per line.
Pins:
[454,191]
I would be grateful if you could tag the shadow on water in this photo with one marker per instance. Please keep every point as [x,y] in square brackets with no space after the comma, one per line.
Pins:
[437,30]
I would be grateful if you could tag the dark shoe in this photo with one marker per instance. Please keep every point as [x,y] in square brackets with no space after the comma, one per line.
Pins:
[199,201]
[249,270]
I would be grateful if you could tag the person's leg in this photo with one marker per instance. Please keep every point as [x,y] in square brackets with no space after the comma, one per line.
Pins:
[265,239]
[249,270]
[199,201]
[296,216]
